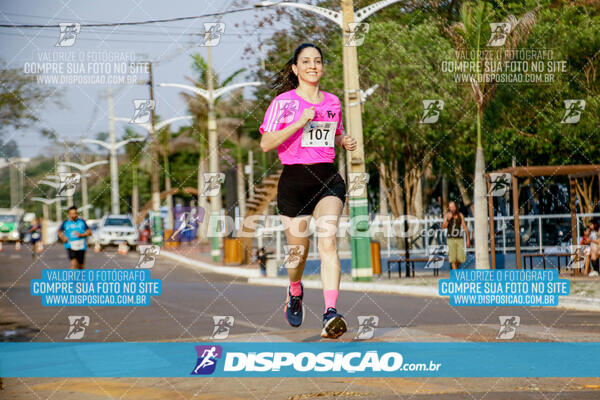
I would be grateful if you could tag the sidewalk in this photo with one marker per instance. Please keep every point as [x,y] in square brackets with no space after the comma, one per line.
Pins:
[198,256]
[585,292]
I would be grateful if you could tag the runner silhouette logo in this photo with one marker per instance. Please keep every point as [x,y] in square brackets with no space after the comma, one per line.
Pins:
[212,183]
[212,33]
[68,33]
[508,326]
[358,31]
[293,255]
[207,359]
[223,324]
[148,254]
[68,184]
[573,110]
[366,326]
[287,110]
[357,184]
[499,184]
[77,325]
[431,111]
[142,111]
[500,31]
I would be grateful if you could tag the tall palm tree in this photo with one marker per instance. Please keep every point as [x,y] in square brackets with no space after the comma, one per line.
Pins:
[467,36]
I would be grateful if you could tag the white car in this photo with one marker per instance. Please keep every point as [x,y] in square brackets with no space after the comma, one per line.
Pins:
[11,221]
[115,229]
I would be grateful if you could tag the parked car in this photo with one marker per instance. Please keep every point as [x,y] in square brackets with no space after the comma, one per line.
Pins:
[116,228]
[10,224]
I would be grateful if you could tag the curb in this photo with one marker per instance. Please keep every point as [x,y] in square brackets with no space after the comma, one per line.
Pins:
[254,278]
[580,303]
[217,269]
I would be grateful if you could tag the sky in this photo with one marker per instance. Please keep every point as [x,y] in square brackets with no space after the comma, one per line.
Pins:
[85,107]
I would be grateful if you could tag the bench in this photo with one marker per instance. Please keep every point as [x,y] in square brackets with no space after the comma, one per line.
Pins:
[410,265]
[531,256]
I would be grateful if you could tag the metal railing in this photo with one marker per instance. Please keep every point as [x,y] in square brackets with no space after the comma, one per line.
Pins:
[537,232]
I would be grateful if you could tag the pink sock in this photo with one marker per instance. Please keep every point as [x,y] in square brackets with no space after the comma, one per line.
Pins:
[295,288]
[330,298]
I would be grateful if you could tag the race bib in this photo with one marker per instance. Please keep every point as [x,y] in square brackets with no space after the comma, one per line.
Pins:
[35,235]
[77,244]
[319,134]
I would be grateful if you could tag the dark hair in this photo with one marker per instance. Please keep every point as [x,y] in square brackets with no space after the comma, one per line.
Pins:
[72,208]
[285,80]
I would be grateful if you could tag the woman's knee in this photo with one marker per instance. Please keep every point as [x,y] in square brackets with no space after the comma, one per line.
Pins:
[327,245]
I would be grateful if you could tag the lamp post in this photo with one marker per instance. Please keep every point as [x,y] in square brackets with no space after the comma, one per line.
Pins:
[152,129]
[84,191]
[361,257]
[363,98]
[45,215]
[16,167]
[210,96]
[113,147]
[58,199]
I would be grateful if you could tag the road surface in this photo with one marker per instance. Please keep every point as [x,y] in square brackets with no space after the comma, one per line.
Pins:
[190,298]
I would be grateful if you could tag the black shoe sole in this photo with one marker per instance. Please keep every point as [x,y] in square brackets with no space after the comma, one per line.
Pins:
[334,328]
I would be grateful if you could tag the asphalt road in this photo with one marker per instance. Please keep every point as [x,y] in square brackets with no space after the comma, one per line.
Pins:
[190,298]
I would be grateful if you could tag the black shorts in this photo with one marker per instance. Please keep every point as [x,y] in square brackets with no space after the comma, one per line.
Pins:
[79,255]
[301,186]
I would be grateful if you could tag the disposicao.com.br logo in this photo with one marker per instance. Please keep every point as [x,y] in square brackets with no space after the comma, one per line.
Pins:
[319,362]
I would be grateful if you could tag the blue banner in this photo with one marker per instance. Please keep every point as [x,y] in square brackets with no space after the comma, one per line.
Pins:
[319,359]
[95,287]
[503,287]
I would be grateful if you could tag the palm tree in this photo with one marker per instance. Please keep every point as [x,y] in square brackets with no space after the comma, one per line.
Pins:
[467,36]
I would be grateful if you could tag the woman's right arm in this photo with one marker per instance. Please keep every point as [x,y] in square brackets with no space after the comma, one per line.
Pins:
[271,140]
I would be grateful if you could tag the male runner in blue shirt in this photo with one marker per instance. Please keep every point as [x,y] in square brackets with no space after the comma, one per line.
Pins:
[73,233]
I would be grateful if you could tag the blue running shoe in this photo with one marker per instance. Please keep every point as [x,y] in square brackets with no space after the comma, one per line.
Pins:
[334,324]
[294,308]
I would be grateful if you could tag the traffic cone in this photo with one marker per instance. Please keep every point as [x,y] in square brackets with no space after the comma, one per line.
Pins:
[123,249]
[97,248]
[1,249]
[17,245]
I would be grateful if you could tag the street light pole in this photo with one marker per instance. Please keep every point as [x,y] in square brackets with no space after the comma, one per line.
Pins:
[61,169]
[58,200]
[361,253]
[359,210]
[250,173]
[114,172]
[157,238]
[114,175]
[83,169]
[152,129]
[210,96]
[16,167]
[342,167]
[213,160]
[45,215]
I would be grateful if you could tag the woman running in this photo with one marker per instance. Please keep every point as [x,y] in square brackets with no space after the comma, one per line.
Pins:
[304,124]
